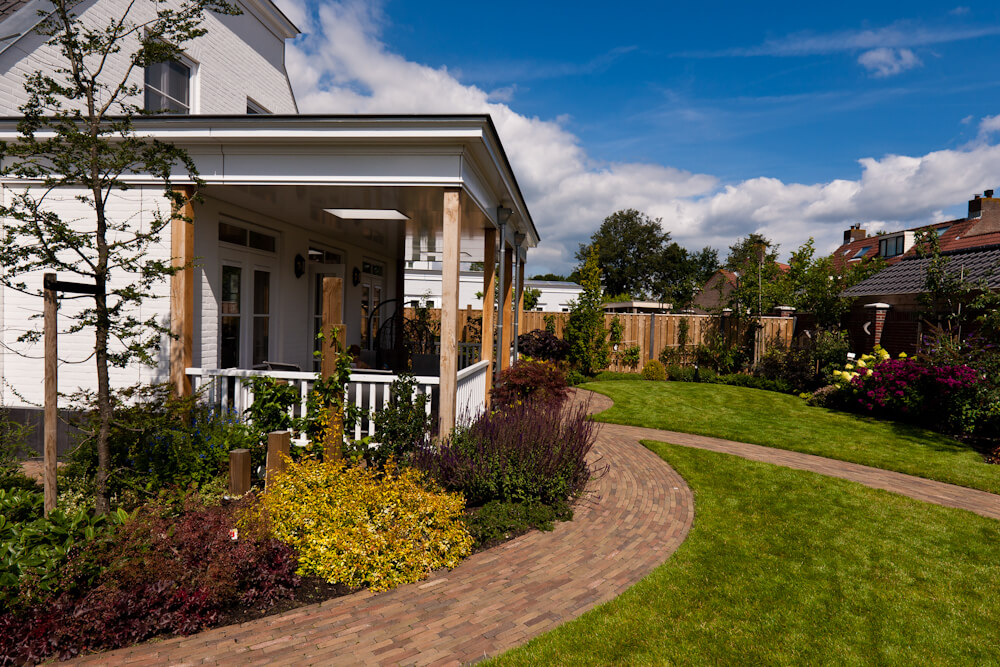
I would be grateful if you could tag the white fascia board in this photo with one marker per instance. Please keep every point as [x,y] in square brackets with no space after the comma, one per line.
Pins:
[271,17]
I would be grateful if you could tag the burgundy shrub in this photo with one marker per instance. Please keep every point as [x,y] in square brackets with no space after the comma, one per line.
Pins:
[163,574]
[530,381]
[519,453]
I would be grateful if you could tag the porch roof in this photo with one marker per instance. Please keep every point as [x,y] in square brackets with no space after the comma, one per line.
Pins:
[364,152]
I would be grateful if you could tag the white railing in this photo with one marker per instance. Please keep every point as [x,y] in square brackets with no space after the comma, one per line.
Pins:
[470,392]
[230,389]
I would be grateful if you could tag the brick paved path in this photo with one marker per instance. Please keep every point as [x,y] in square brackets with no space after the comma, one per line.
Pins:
[632,520]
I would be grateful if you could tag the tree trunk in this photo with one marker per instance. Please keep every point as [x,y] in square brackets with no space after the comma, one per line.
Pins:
[101,501]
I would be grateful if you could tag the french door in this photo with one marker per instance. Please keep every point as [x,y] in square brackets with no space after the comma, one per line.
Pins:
[246,322]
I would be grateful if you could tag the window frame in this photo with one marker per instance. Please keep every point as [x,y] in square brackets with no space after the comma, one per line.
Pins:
[194,101]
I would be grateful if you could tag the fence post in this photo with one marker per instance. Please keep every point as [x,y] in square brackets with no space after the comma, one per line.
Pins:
[239,472]
[278,448]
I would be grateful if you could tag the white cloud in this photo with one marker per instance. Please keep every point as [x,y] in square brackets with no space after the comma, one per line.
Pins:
[342,66]
[883,62]
[989,124]
[902,34]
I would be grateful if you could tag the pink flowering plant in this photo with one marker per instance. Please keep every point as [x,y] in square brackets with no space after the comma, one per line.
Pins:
[940,396]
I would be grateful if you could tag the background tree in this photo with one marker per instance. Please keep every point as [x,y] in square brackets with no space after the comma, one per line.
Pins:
[629,250]
[760,283]
[77,132]
[588,339]
[815,286]
[639,261]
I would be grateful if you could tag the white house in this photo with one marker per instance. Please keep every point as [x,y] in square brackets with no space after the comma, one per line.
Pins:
[289,199]
[424,285]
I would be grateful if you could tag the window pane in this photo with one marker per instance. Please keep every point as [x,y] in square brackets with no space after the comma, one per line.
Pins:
[232,234]
[230,304]
[262,241]
[261,337]
[261,293]
[178,78]
[229,345]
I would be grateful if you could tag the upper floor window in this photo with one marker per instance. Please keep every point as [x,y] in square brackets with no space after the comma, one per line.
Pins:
[168,87]
[892,246]
[254,109]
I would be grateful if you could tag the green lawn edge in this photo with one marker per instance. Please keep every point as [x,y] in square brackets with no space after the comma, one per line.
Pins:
[786,422]
[790,567]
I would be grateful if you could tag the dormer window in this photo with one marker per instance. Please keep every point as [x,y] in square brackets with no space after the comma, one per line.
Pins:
[168,88]
[892,246]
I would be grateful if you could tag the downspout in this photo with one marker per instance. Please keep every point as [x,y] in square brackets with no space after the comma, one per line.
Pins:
[503,215]
[518,263]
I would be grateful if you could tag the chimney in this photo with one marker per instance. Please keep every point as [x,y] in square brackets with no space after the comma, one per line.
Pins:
[987,210]
[855,233]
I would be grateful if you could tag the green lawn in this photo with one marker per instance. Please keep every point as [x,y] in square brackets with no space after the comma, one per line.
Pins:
[789,567]
[786,422]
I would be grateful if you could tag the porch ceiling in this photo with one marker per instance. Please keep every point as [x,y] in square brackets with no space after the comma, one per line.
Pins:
[304,206]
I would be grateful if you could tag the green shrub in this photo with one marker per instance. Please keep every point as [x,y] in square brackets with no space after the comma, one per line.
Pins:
[272,400]
[588,339]
[362,527]
[717,354]
[793,367]
[34,549]
[753,382]
[497,520]
[159,440]
[401,426]
[653,370]
[612,376]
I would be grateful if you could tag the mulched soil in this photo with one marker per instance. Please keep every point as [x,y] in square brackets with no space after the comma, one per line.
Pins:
[310,591]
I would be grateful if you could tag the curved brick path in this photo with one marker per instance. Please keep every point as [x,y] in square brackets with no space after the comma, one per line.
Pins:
[633,518]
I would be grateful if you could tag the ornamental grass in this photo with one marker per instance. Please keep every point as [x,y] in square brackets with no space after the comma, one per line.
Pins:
[362,527]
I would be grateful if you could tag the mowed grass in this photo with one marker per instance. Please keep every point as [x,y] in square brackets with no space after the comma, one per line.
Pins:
[786,422]
[788,567]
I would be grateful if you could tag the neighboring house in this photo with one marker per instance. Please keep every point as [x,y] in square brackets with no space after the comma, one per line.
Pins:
[714,294]
[288,200]
[424,285]
[888,309]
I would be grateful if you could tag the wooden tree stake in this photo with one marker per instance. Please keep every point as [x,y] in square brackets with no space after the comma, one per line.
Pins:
[239,472]
[278,447]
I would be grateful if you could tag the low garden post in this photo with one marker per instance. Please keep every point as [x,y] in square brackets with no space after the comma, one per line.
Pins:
[278,448]
[239,472]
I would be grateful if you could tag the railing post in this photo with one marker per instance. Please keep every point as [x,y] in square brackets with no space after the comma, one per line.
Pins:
[278,448]
[239,472]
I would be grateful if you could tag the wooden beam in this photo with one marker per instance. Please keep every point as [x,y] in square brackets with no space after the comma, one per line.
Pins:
[51,393]
[182,293]
[489,302]
[506,301]
[452,224]
[333,330]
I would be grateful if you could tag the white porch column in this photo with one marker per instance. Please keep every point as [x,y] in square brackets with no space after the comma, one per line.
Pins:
[452,224]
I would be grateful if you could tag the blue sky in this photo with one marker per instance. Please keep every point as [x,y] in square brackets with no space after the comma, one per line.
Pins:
[722,120]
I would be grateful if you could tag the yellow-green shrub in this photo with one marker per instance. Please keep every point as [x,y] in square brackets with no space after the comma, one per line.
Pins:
[653,370]
[361,527]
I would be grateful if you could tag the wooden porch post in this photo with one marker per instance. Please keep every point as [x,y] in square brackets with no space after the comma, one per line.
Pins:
[520,292]
[182,294]
[489,302]
[333,298]
[506,301]
[452,223]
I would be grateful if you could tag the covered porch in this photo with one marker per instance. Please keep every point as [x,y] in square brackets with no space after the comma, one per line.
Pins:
[289,201]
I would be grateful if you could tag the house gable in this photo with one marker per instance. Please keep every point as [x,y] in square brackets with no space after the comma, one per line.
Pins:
[240,59]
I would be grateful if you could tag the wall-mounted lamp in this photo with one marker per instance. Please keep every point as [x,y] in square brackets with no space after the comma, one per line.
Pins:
[300,266]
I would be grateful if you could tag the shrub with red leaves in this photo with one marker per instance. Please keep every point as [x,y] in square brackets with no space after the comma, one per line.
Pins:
[164,573]
[529,381]
[542,344]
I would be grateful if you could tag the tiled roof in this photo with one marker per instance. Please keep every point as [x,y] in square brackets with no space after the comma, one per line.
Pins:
[8,7]
[909,275]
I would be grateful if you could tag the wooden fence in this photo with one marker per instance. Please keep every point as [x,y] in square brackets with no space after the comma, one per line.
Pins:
[651,333]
